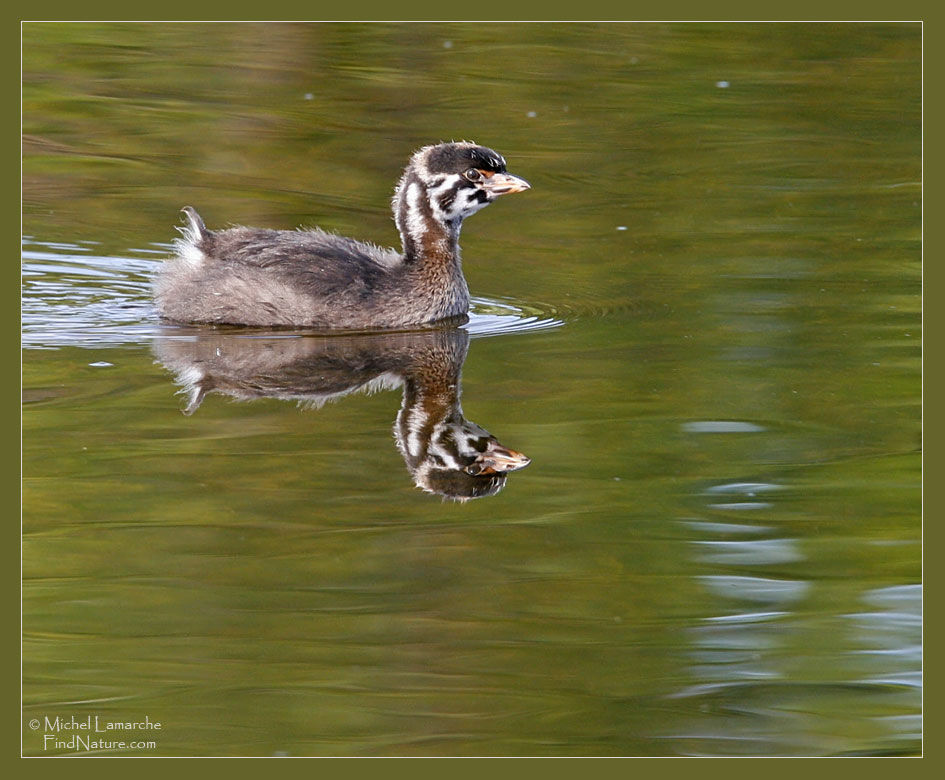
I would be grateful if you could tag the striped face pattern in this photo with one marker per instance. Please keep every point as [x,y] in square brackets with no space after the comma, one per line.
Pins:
[450,455]
[443,185]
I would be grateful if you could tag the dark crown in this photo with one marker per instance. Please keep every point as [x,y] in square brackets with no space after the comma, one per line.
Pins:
[459,157]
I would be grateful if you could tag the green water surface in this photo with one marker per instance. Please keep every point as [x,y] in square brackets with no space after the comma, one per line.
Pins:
[702,324]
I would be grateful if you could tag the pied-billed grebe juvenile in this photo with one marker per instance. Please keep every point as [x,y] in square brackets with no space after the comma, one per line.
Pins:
[310,278]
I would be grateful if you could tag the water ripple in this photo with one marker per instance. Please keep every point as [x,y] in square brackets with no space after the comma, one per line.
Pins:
[492,317]
[74,297]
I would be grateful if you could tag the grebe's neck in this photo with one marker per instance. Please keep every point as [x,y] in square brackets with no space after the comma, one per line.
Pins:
[428,232]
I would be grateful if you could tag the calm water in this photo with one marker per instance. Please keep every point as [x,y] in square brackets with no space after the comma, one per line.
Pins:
[702,325]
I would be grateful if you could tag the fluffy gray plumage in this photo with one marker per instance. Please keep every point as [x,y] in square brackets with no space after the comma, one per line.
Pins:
[310,278]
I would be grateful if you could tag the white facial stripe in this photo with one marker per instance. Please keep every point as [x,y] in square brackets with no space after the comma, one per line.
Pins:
[415,421]
[473,204]
[451,210]
[438,446]
[415,226]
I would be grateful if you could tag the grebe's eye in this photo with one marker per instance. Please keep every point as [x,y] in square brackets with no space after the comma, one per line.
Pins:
[473,175]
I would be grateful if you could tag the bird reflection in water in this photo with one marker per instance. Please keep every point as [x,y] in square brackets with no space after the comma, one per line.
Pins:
[445,453]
